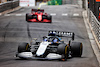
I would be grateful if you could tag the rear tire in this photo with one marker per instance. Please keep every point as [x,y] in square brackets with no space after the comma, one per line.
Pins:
[76,49]
[24,47]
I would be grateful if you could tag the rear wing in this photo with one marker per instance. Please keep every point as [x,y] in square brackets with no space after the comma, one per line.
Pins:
[62,34]
[35,10]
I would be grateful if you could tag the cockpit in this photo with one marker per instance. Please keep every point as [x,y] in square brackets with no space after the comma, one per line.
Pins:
[52,39]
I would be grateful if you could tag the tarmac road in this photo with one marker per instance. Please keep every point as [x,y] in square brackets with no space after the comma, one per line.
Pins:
[15,30]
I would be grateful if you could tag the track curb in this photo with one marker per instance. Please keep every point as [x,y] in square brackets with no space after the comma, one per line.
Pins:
[94,45]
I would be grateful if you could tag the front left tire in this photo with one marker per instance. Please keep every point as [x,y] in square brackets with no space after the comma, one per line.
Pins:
[28,17]
[23,47]
[50,18]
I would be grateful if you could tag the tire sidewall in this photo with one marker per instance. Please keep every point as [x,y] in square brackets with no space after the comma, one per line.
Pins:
[76,49]
[23,47]
[63,50]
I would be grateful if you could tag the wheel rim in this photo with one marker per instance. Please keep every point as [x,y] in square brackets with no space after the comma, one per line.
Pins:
[81,49]
[27,46]
[65,50]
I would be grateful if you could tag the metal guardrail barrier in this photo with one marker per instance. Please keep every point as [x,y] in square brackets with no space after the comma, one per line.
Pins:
[8,5]
[94,6]
[95,24]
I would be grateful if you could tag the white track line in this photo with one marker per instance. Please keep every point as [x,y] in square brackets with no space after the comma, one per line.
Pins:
[65,14]
[76,14]
[18,14]
[53,14]
[7,15]
[14,15]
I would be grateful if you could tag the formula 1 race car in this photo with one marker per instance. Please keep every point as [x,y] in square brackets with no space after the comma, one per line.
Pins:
[52,47]
[38,15]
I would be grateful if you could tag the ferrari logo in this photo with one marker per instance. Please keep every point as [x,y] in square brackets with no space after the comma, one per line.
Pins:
[39,17]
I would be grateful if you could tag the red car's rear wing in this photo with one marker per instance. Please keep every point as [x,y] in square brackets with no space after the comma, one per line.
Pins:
[35,10]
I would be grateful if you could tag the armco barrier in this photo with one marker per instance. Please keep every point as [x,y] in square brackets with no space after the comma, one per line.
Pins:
[8,5]
[95,24]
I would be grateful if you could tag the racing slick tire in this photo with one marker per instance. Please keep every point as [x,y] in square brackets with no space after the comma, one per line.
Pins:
[24,47]
[64,51]
[76,49]
[28,17]
[50,18]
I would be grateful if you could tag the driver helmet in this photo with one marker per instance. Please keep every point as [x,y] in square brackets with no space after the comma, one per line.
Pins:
[55,40]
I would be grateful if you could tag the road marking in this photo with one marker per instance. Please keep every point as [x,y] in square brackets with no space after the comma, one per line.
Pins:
[18,14]
[65,14]
[14,15]
[53,14]
[76,14]
[7,15]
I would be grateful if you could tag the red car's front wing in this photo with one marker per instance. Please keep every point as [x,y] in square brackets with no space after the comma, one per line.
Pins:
[35,20]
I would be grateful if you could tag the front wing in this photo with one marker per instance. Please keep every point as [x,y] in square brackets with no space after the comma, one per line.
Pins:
[35,20]
[29,55]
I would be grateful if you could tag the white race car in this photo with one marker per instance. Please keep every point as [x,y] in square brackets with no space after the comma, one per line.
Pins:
[52,47]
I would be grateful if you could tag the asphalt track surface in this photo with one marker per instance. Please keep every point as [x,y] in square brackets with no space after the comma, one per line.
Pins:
[15,30]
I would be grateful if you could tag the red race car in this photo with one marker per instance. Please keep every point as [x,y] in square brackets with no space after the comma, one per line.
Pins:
[38,15]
